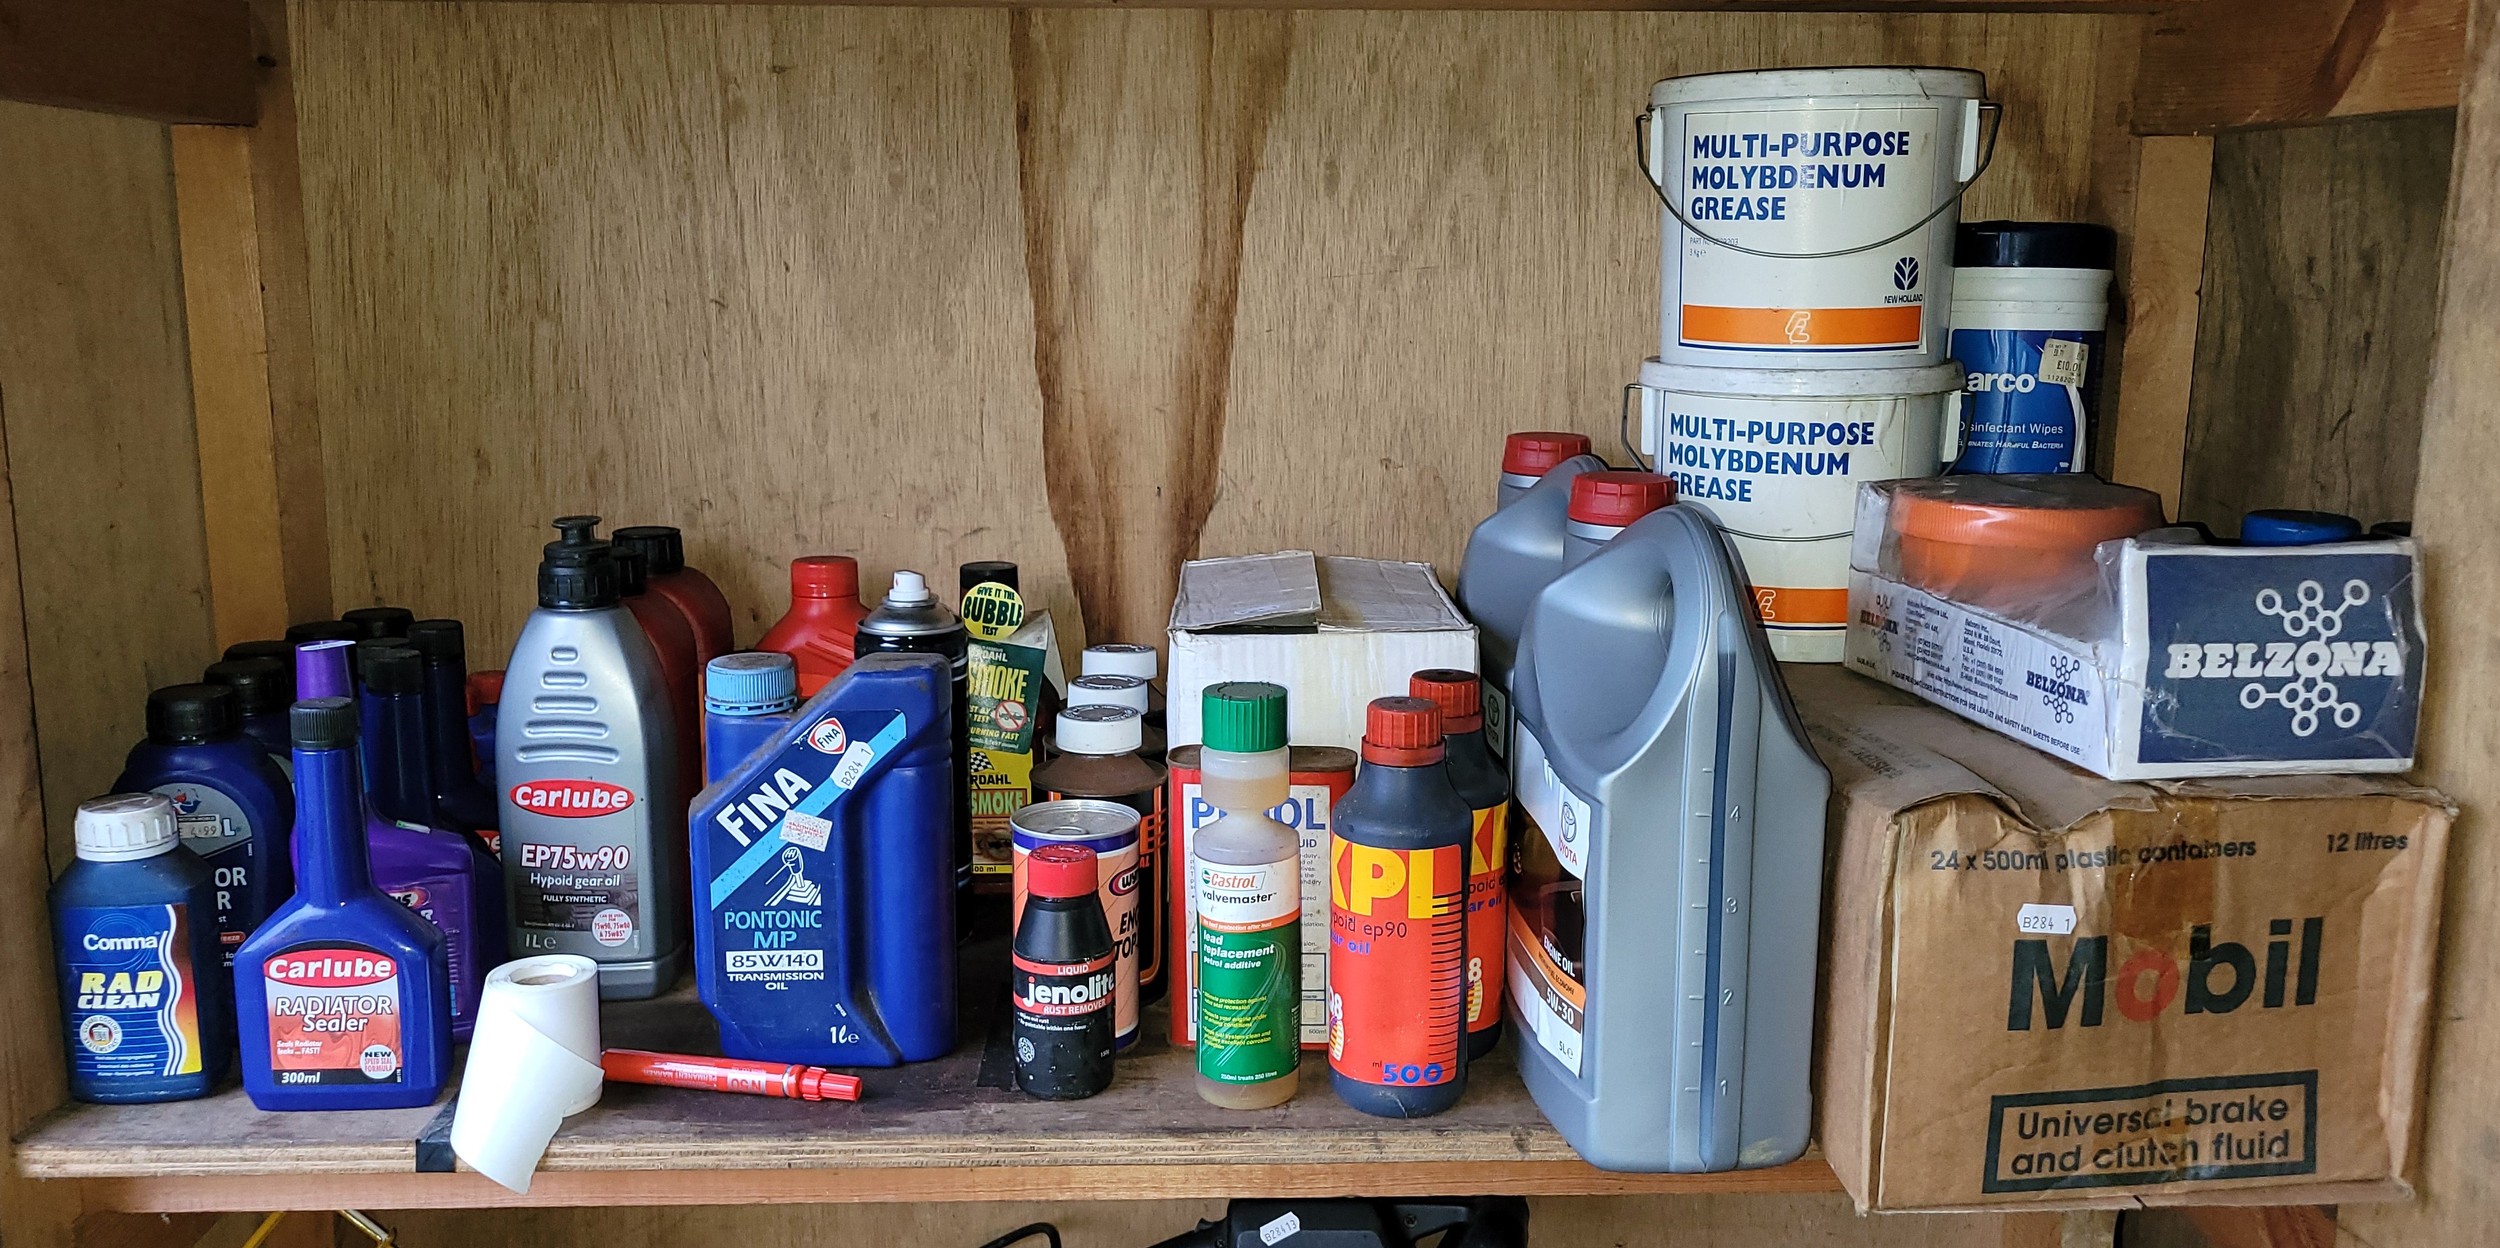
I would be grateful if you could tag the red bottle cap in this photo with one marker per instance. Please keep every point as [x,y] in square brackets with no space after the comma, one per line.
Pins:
[1534,453]
[1615,498]
[1459,695]
[485,689]
[1402,732]
[1061,871]
[824,576]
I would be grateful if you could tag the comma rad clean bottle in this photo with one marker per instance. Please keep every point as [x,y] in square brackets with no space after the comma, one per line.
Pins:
[144,994]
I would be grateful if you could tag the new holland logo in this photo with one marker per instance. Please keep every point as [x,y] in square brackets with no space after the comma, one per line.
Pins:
[2304,669]
[1905,273]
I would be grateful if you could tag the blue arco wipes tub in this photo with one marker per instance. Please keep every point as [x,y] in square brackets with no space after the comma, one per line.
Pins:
[2030,305]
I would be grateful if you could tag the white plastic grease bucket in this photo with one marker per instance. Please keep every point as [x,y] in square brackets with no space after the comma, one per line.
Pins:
[1809,213]
[1776,455]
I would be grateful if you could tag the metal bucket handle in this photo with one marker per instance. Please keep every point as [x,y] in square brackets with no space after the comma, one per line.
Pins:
[1992,111]
[1623,426]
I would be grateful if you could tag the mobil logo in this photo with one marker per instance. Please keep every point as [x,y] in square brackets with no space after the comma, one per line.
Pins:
[330,968]
[571,799]
[2216,978]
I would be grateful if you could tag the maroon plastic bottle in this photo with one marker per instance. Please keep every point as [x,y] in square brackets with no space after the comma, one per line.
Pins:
[694,595]
[673,637]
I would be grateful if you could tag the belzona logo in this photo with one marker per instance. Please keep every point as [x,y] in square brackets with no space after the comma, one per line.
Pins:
[330,968]
[571,799]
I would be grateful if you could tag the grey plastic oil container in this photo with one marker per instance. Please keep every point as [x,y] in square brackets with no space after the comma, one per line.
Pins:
[1665,919]
[1510,557]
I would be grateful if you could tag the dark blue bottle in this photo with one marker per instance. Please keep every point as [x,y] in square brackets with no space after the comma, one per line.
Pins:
[263,689]
[230,800]
[460,799]
[343,998]
[824,877]
[144,995]
[748,699]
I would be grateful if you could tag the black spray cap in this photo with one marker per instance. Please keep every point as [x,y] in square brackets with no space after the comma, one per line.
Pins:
[440,641]
[282,651]
[983,571]
[663,547]
[391,668]
[366,649]
[578,570]
[261,686]
[633,572]
[193,714]
[380,621]
[322,630]
[2034,245]
[322,724]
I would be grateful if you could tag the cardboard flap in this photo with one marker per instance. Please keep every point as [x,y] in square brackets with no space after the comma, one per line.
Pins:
[1378,596]
[1279,590]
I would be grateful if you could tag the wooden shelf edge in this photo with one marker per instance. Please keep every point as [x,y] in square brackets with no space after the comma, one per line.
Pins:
[575,1188]
[1512,6]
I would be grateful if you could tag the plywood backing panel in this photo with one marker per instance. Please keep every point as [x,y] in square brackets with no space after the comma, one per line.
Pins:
[848,279]
[95,391]
[2314,349]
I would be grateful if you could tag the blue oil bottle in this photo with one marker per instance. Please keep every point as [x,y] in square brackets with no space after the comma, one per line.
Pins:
[461,800]
[229,798]
[263,689]
[748,700]
[343,998]
[144,993]
[824,877]
[426,863]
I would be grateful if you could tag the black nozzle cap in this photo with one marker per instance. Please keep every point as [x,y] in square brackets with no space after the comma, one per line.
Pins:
[983,571]
[366,649]
[282,651]
[322,630]
[193,714]
[392,668]
[380,621]
[633,571]
[663,547]
[440,641]
[578,571]
[262,686]
[322,724]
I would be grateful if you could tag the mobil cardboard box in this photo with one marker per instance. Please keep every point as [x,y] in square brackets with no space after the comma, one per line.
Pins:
[2051,990]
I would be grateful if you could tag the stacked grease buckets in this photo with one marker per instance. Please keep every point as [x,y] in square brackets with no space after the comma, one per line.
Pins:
[1805,282]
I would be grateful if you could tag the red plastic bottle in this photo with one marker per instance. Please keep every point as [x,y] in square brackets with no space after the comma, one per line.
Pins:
[825,612]
[694,595]
[673,637]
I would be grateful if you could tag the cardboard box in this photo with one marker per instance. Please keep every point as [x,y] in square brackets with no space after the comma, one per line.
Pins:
[2049,990]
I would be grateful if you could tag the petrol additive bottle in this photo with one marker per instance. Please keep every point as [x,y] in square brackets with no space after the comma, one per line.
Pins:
[461,800]
[1121,658]
[145,997]
[1061,978]
[444,874]
[748,700]
[818,630]
[694,595]
[913,621]
[824,878]
[231,801]
[1485,787]
[587,760]
[1664,919]
[263,689]
[1516,552]
[1397,921]
[1100,757]
[1245,873]
[343,998]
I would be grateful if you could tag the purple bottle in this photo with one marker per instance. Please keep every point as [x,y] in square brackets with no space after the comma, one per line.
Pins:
[432,871]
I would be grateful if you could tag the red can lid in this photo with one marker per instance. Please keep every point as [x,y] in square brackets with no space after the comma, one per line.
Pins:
[824,576]
[1061,871]
[1535,452]
[485,689]
[1402,732]
[1460,695]
[1615,498]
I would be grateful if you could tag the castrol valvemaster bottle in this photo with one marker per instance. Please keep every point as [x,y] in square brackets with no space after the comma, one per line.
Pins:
[586,755]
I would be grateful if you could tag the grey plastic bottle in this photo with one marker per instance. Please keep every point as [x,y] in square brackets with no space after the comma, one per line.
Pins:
[1512,556]
[586,758]
[1671,865]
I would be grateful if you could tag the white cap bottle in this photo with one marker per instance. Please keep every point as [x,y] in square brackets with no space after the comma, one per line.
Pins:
[125,827]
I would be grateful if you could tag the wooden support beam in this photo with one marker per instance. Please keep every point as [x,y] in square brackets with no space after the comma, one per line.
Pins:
[2166,266]
[2218,64]
[167,60]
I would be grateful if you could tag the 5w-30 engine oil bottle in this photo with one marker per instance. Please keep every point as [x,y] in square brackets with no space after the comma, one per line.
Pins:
[1515,553]
[1664,920]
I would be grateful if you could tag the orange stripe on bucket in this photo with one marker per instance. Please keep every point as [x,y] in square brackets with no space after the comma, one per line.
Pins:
[1802,328]
[1801,606]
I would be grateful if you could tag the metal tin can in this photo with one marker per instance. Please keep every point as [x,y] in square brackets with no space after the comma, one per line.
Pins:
[1110,830]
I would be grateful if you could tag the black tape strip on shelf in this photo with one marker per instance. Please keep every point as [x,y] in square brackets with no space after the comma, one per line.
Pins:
[434,1143]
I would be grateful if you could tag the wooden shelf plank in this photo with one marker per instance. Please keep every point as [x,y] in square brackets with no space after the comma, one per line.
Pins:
[1522,6]
[166,60]
[2225,63]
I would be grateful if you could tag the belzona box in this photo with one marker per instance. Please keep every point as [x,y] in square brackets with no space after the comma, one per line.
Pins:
[2045,989]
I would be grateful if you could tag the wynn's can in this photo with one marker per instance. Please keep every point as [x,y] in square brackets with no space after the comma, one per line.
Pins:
[1110,830]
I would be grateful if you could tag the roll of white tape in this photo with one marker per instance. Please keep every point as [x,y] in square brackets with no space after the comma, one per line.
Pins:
[533,1062]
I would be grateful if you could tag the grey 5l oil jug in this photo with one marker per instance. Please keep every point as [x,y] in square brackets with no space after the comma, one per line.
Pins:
[1664,919]
[1513,554]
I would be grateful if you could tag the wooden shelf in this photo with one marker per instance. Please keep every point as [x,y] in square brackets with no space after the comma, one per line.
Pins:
[939,1131]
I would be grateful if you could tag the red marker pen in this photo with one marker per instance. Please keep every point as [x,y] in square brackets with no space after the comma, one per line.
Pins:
[728,1074]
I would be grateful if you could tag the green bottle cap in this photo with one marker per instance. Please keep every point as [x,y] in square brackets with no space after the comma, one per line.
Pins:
[1244,717]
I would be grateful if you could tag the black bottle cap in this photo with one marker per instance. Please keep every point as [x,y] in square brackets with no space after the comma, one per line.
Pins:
[578,570]
[982,571]
[379,621]
[2034,245]
[322,630]
[193,714]
[322,724]
[366,649]
[440,641]
[282,651]
[262,686]
[663,547]
[633,572]
[391,667]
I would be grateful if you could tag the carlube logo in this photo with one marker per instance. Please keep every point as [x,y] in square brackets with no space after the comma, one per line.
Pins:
[571,799]
[330,968]
[2217,979]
